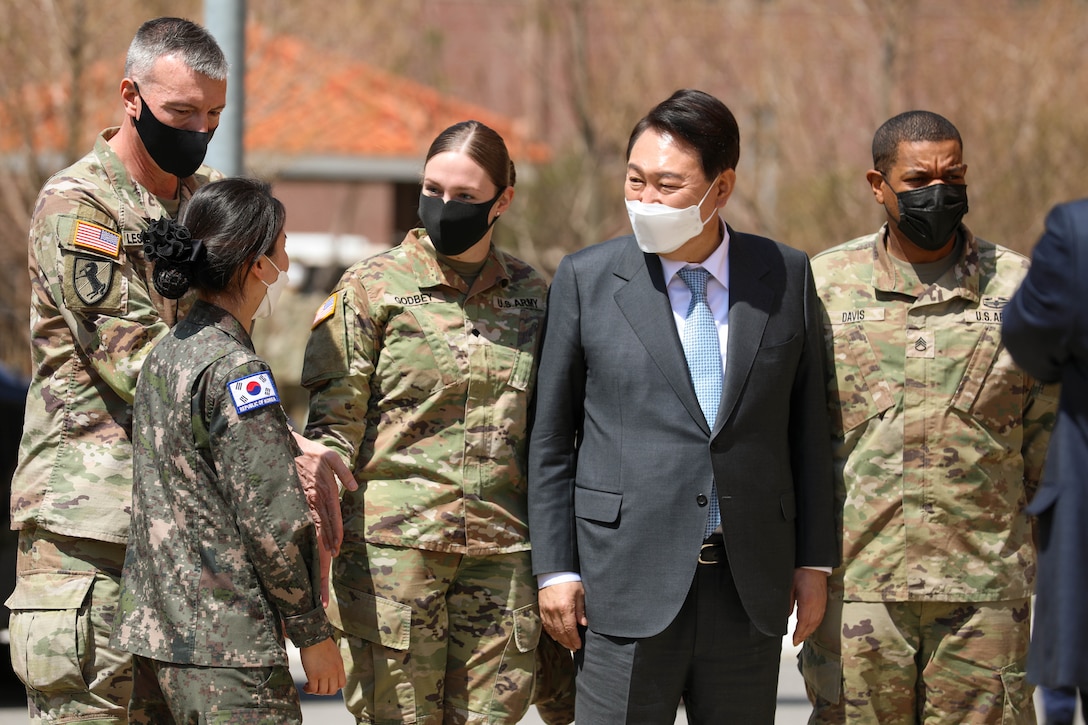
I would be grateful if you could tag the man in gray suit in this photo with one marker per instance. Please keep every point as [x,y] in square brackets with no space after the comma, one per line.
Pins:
[680,496]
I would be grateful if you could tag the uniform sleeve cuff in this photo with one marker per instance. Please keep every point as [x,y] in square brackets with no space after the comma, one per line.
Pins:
[308,629]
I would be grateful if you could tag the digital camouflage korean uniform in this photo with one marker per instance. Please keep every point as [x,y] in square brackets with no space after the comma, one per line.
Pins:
[94,316]
[423,387]
[939,442]
[222,548]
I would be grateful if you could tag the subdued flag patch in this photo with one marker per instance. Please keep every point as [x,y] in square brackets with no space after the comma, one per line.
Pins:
[253,391]
[100,239]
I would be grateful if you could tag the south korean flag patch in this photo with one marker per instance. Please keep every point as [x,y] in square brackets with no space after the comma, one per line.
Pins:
[253,391]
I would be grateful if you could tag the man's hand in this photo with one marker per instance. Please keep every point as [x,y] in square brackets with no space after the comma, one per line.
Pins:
[809,593]
[563,608]
[318,470]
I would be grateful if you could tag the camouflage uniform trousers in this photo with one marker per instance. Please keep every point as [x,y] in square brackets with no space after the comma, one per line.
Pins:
[164,693]
[63,611]
[921,662]
[432,637]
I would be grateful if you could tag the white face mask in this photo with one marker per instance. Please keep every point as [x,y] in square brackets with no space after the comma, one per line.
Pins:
[660,229]
[272,293]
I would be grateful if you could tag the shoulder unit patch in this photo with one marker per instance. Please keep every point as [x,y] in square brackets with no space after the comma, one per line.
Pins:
[92,279]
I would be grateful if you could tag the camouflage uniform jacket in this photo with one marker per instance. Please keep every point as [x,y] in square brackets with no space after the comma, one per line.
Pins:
[423,386]
[939,437]
[94,315]
[222,548]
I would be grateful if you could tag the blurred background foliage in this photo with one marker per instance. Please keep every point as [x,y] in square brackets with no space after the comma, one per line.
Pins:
[808,82]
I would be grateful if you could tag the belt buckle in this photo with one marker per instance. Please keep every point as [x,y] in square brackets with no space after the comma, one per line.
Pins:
[711,552]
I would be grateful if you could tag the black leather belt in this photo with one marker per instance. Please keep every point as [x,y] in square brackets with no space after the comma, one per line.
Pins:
[712,550]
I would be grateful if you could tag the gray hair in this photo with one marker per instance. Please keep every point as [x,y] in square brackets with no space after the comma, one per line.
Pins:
[169,36]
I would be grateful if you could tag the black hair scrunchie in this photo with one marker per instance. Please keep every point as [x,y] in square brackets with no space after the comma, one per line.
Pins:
[173,250]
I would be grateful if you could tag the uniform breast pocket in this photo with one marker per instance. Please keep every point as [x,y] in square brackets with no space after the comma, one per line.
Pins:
[415,362]
[993,387]
[858,391]
[521,354]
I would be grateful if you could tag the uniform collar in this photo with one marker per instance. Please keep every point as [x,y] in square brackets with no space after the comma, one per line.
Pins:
[206,314]
[430,272]
[961,279]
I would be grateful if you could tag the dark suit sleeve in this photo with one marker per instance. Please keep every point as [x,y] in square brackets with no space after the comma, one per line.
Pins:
[556,428]
[818,542]
[1038,320]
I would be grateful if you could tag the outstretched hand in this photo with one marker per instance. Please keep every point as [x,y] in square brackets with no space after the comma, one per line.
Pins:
[319,471]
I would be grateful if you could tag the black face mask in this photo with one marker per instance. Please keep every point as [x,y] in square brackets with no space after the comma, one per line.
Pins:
[175,150]
[454,226]
[928,216]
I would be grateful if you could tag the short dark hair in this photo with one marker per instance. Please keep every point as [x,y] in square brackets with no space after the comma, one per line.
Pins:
[699,121]
[911,126]
[483,145]
[166,36]
[237,220]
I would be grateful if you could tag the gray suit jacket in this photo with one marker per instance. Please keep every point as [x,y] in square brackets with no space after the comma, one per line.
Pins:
[621,459]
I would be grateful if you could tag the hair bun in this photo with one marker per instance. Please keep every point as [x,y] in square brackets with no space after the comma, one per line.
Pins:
[165,240]
[171,247]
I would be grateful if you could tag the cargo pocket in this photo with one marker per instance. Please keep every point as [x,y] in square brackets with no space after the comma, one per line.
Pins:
[50,630]
[377,620]
[822,670]
[527,627]
[1017,708]
[553,687]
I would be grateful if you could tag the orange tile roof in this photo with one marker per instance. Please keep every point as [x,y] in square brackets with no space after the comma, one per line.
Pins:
[300,101]
[311,105]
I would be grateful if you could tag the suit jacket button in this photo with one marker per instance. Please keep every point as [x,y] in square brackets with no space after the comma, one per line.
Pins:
[701,500]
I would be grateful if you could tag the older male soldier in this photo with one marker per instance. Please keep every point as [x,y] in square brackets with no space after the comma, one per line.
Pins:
[939,442]
[679,471]
[94,316]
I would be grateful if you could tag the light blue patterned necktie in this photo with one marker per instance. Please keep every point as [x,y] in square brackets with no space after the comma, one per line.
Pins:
[703,352]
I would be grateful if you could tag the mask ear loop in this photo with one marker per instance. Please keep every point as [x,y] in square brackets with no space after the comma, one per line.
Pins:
[705,195]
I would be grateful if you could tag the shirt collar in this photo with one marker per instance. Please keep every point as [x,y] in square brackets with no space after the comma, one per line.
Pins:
[717,263]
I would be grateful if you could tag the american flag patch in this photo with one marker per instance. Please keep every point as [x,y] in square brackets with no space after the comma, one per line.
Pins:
[100,239]
[252,392]
[328,307]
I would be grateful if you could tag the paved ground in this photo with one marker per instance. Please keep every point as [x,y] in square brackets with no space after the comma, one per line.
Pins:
[793,708]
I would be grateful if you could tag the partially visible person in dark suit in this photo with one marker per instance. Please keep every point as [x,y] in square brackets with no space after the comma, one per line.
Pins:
[1059,705]
[680,496]
[1045,327]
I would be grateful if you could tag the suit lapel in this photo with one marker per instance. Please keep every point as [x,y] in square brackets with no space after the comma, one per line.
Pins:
[749,301]
[643,300]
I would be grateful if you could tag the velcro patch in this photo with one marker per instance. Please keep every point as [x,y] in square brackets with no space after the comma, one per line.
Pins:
[860,314]
[96,238]
[921,344]
[326,310]
[253,391]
